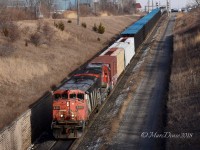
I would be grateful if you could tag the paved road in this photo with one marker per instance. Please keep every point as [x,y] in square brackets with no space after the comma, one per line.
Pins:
[144,113]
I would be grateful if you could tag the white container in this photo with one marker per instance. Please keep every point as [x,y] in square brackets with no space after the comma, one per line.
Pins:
[128,44]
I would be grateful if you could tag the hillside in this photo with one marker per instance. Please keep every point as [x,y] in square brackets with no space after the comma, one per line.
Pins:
[38,55]
[183,107]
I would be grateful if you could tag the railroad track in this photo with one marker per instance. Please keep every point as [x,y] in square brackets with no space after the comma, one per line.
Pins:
[47,142]
[62,145]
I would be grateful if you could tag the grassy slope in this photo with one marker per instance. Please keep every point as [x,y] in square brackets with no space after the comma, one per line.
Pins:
[27,72]
[183,105]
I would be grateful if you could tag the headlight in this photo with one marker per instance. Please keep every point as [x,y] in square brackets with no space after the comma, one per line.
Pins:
[61,115]
[72,115]
[56,107]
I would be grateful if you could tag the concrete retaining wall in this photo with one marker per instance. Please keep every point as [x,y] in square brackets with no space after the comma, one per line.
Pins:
[26,128]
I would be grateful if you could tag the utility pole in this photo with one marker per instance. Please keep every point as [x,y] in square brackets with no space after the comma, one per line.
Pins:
[168,7]
[152,4]
[78,12]
[148,6]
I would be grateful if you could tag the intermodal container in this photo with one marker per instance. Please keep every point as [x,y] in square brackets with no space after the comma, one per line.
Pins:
[128,44]
[112,62]
[119,54]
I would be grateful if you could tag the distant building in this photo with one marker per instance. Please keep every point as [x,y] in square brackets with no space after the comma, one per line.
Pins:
[58,4]
[17,3]
[138,6]
[63,5]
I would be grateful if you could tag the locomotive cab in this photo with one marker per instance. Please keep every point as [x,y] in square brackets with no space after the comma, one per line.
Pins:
[69,113]
[105,75]
[73,104]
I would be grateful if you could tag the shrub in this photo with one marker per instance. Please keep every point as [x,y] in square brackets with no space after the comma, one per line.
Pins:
[35,39]
[5,31]
[94,28]
[57,16]
[26,43]
[10,30]
[69,21]
[61,26]
[55,24]
[101,29]
[84,25]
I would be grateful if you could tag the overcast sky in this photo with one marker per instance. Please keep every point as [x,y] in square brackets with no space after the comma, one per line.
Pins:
[174,3]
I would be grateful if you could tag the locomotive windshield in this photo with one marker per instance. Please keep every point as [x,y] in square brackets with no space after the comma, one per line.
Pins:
[65,96]
[59,96]
[80,96]
[72,96]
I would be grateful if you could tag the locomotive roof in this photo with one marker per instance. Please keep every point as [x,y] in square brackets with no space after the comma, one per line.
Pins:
[81,83]
[89,70]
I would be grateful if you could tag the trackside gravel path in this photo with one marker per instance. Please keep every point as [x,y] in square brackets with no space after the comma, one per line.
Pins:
[144,113]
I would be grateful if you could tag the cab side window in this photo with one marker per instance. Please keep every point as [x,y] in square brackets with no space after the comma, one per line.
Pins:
[65,96]
[57,96]
[72,95]
[80,96]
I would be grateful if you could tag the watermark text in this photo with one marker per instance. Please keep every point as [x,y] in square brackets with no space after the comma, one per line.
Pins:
[166,135]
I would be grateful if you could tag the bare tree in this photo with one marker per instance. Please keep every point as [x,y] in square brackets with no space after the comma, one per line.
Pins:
[38,6]
[197,2]
[3,2]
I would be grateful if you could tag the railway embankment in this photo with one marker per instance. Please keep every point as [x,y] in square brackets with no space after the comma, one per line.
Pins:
[183,105]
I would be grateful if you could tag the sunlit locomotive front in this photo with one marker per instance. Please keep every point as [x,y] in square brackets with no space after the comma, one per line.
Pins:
[75,101]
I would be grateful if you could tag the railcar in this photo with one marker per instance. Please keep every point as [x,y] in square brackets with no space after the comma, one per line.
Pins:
[140,29]
[128,45]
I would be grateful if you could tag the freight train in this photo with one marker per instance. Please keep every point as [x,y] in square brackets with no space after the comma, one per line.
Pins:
[80,96]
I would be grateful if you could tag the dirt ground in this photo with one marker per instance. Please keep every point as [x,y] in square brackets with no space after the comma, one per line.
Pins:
[27,71]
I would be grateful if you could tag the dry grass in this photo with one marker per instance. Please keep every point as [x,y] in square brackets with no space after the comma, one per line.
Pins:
[184,93]
[20,70]
[27,71]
